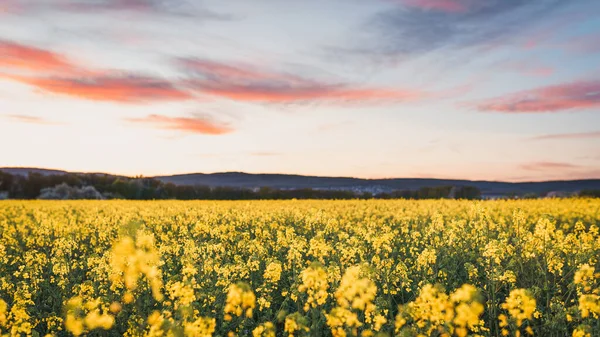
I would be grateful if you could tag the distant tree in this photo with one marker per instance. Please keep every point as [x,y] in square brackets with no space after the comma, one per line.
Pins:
[590,193]
[66,192]
[467,192]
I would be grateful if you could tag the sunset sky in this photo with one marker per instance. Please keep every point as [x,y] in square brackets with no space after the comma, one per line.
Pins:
[468,89]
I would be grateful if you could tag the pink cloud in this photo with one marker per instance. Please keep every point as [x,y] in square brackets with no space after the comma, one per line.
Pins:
[546,165]
[250,84]
[551,170]
[586,44]
[448,6]
[108,88]
[54,73]
[570,96]
[236,73]
[9,6]
[22,57]
[129,5]
[529,68]
[197,125]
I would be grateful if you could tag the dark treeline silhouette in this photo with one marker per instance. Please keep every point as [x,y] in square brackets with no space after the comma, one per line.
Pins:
[460,192]
[590,193]
[95,186]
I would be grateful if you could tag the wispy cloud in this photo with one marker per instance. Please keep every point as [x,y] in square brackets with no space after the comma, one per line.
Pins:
[185,8]
[566,136]
[108,88]
[123,5]
[249,84]
[570,96]
[30,120]
[54,73]
[197,124]
[556,170]
[528,68]
[333,126]
[450,6]
[9,6]
[585,44]
[548,165]
[421,26]
[266,154]
[16,56]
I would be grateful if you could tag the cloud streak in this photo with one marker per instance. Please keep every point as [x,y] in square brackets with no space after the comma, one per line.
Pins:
[18,56]
[30,120]
[108,88]
[449,6]
[567,136]
[156,7]
[248,84]
[563,97]
[528,68]
[266,154]
[54,73]
[195,125]
[421,26]
[548,166]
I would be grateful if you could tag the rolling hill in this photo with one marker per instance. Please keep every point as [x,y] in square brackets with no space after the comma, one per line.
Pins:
[290,181]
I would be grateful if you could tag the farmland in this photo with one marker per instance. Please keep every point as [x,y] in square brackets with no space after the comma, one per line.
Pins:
[300,268]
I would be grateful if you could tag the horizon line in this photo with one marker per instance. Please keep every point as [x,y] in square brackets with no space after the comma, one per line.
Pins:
[292,174]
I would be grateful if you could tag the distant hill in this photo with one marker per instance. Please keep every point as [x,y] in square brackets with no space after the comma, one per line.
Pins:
[288,181]
[23,171]
[291,181]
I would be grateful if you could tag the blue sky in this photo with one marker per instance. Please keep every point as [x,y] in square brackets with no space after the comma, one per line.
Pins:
[470,89]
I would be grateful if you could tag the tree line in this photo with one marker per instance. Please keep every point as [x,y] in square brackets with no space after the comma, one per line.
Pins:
[101,186]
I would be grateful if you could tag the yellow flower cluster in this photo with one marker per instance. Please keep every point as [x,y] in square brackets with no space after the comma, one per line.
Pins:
[3,318]
[240,301]
[266,329]
[77,321]
[315,285]
[435,312]
[520,307]
[202,327]
[587,281]
[295,322]
[131,259]
[354,296]
[310,267]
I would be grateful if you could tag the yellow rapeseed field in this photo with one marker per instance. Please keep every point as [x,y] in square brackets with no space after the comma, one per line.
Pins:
[300,268]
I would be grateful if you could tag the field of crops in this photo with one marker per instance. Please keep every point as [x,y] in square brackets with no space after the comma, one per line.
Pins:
[300,268]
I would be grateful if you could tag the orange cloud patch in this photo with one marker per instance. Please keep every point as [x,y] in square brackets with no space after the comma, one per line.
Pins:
[121,89]
[22,57]
[252,85]
[197,125]
[53,73]
[570,96]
